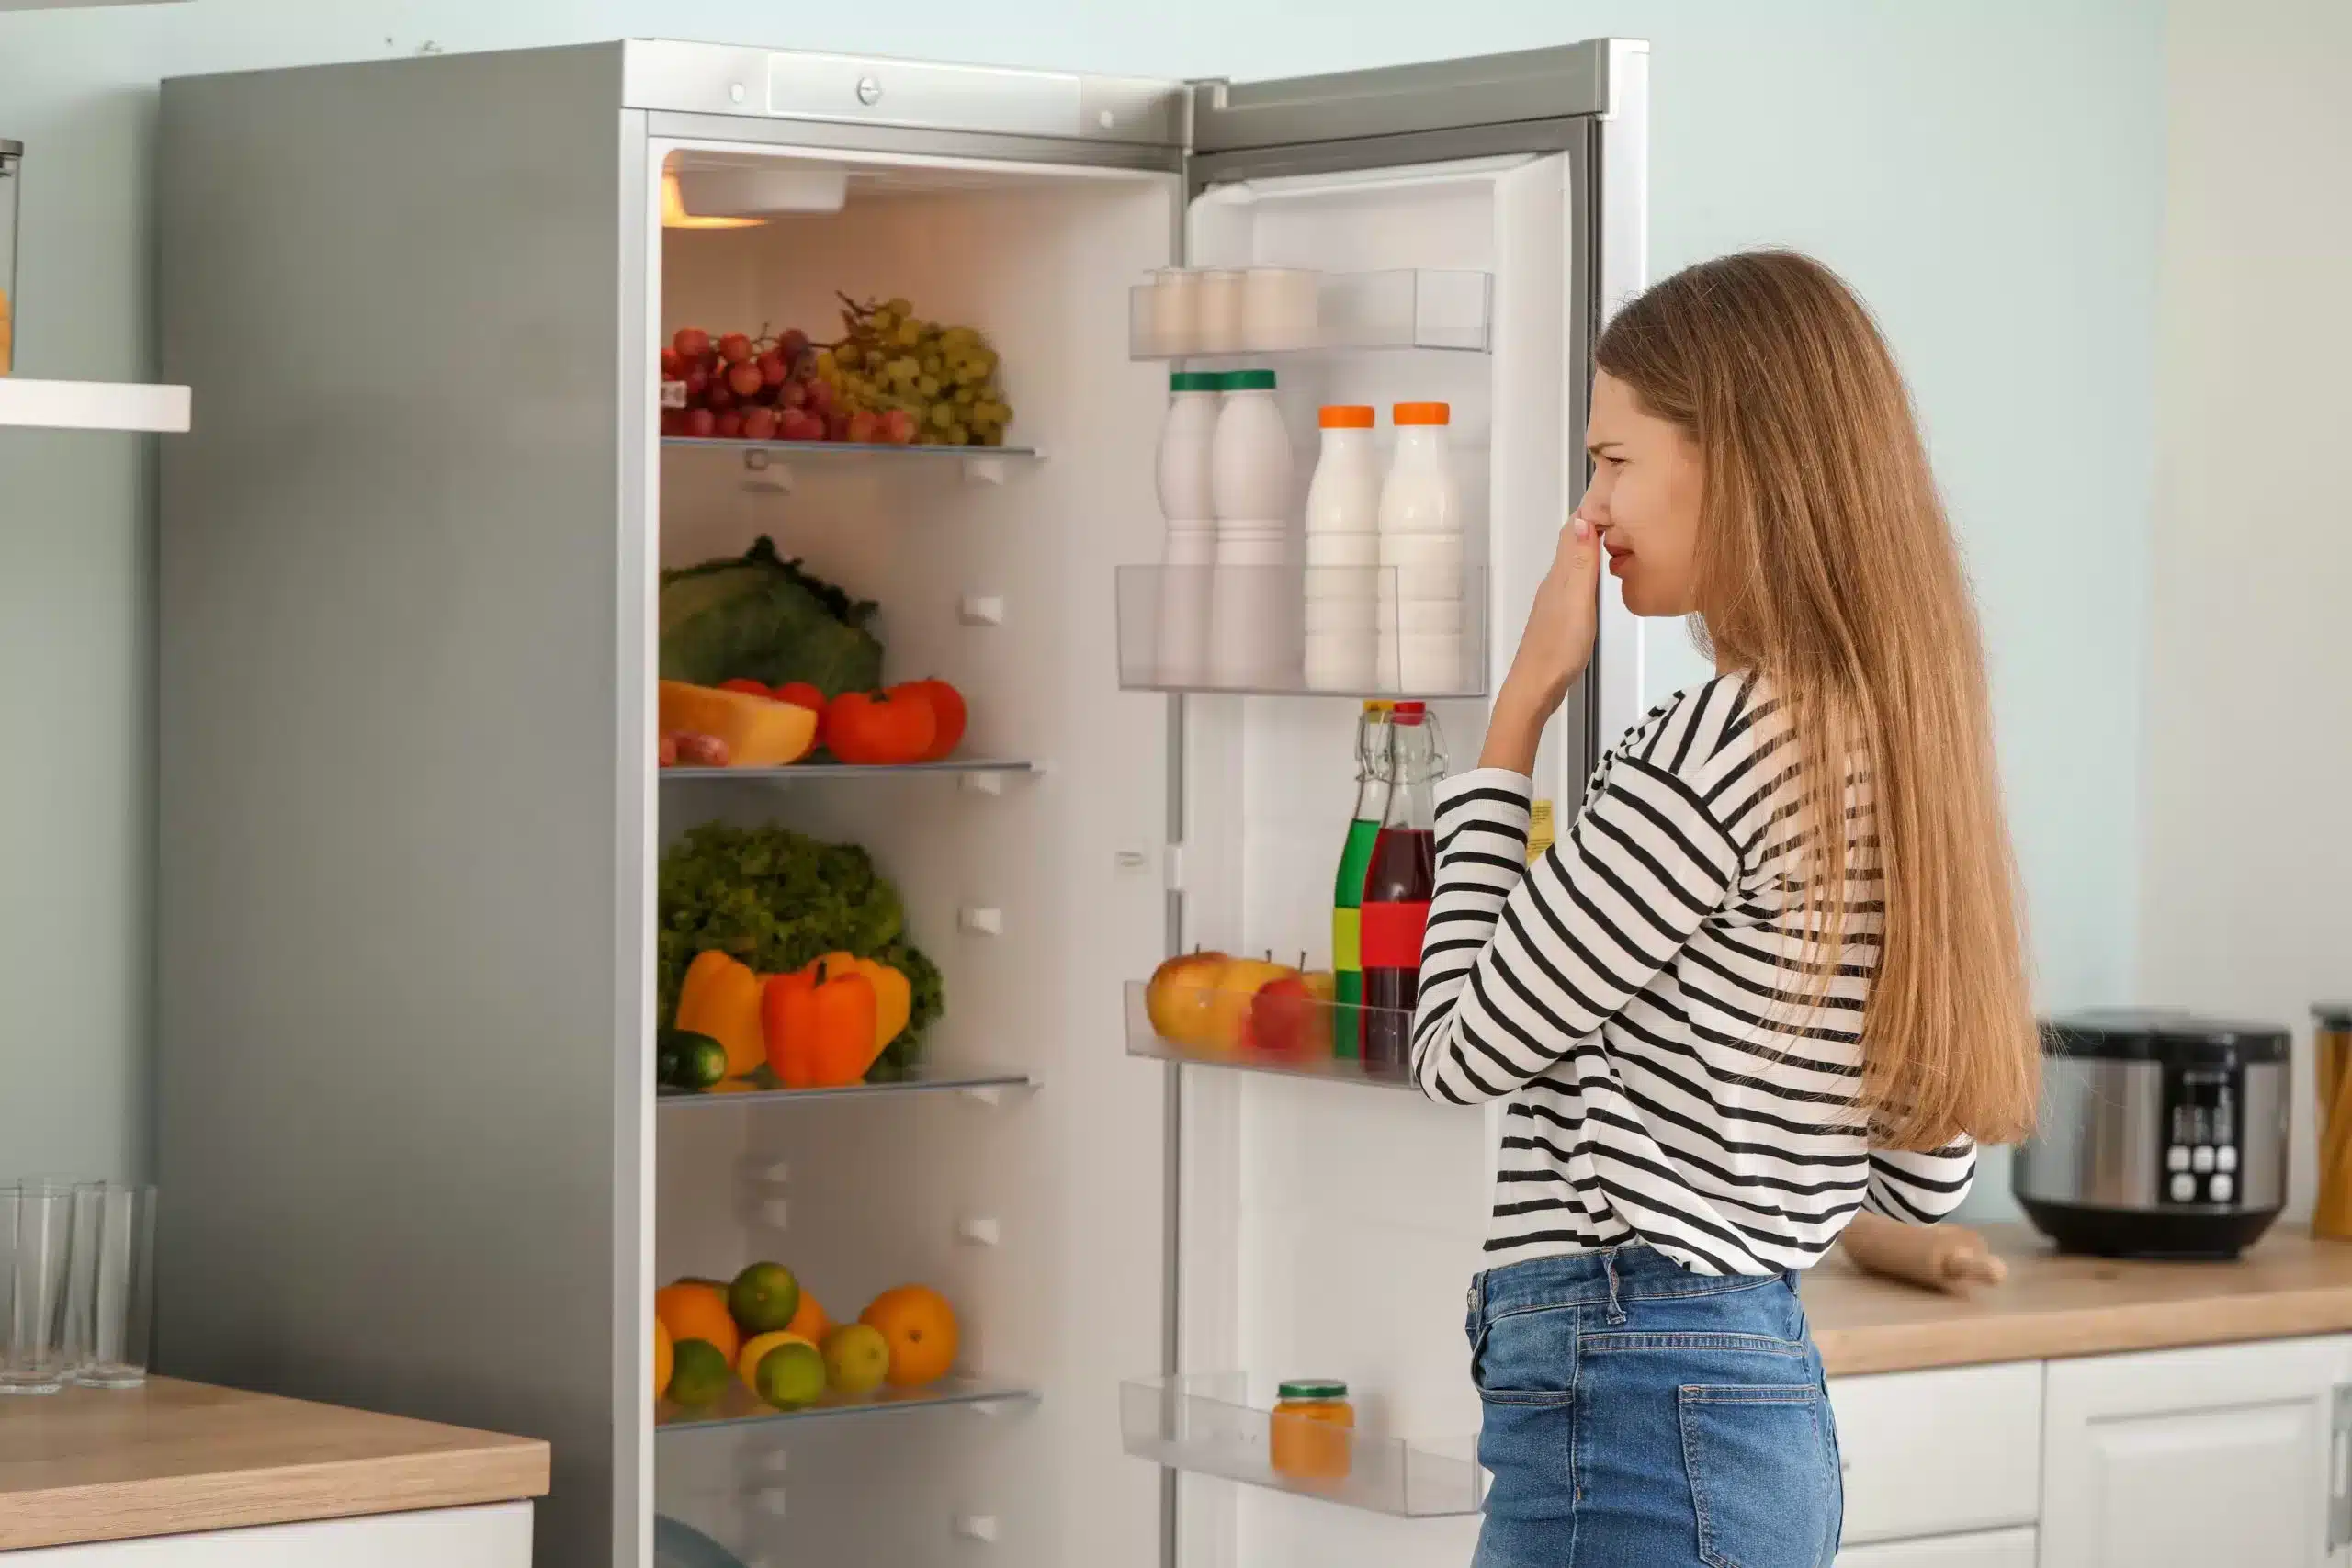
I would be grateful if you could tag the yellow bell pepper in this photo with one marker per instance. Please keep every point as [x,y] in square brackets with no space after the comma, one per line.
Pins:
[894,998]
[720,998]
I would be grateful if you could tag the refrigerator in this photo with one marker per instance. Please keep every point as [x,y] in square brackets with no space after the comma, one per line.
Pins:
[411,822]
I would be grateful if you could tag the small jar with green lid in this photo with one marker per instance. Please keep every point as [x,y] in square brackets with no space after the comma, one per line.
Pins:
[1312,1437]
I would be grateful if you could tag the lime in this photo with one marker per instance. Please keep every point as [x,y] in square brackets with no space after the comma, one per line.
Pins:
[763,1298]
[856,1359]
[699,1373]
[791,1375]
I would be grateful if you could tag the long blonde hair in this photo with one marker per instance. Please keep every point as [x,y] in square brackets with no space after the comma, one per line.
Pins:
[1826,565]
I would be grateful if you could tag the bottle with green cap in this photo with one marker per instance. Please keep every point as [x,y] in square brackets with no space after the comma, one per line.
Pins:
[1250,465]
[1185,443]
[1186,440]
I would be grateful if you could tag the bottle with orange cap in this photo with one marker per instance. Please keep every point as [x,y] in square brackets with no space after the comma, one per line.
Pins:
[1344,553]
[1420,581]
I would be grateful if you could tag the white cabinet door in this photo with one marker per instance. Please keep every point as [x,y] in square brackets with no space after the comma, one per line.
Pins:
[1946,1453]
[2190,1457]
[1984,1548]
[495,1535]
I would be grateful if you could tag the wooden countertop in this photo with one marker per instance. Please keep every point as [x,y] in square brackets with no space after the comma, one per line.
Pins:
[2055,1306]
[114,1464]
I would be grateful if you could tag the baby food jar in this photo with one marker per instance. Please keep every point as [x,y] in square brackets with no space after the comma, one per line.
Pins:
[12,160]
[1312,1430]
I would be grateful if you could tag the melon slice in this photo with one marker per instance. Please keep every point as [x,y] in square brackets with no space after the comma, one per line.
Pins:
[760,732]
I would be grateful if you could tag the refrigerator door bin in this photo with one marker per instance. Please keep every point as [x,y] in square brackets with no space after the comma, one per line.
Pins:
[1302,631]
[1203,1423]
[1400,308]
[1317,1019]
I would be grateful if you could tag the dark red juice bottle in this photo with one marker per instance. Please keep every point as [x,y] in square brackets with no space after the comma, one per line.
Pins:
[1397,886]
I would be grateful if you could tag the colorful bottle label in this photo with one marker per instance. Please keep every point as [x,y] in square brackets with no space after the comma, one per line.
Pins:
[1391,935]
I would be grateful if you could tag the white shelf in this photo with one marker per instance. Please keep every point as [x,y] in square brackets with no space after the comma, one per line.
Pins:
[737,1407]
[92,405]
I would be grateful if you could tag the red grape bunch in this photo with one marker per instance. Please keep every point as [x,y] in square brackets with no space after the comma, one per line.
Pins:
[765,388]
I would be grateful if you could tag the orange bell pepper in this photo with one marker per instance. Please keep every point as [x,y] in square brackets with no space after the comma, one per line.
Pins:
[720,998]
[894,997]
[819,1027]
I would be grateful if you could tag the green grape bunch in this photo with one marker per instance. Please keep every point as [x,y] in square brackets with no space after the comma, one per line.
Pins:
[936,382]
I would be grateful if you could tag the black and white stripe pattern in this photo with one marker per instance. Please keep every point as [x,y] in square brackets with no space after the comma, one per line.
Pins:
[1630,996]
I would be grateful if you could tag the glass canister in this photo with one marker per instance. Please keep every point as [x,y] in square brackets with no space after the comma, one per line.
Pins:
[1310,1437]
[2332,1062]
[12,163]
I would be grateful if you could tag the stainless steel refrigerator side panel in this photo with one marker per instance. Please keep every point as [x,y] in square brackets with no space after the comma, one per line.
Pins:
[1440,95]
[901,142]
[404,794]
[871,90]
[1616,244]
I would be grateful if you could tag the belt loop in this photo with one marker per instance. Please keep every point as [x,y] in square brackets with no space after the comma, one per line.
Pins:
[1616,1308]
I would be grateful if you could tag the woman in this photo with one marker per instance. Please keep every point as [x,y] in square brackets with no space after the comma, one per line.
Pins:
[1773,972]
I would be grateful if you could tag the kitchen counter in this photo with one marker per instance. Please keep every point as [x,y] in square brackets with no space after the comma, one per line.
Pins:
[176,1458]
[2055,1306]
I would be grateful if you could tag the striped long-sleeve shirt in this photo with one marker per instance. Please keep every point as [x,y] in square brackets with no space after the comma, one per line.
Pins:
[1631,997]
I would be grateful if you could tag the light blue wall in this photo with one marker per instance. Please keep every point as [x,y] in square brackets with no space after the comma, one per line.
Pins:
[1989,174]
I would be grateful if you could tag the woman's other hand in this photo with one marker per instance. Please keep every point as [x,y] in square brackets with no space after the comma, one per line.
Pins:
[1553,650]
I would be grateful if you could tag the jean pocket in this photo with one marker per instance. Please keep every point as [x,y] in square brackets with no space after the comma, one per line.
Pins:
[1525,1358]
[1762,1479]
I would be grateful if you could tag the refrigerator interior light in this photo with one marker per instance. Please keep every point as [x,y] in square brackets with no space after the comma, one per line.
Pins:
[675,216]
[751,192]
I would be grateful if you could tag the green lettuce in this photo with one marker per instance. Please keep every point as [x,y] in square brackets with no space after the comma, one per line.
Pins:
[779,900]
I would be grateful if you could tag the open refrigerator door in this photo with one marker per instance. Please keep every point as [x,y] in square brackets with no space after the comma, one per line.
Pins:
[1463,238]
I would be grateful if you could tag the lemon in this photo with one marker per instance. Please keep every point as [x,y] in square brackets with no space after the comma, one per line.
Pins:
[856,1359]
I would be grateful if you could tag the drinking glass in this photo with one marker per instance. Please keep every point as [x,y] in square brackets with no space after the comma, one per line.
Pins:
[111,1302]
[36,1229]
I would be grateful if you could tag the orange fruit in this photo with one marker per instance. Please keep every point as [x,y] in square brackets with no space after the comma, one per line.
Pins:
[696,1309]
[665,1360]
[810,1322]
[920,1326]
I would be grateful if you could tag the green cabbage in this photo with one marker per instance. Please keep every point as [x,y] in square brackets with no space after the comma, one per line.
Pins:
[757,616]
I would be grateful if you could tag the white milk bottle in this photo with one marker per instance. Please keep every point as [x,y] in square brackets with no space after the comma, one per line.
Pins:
[1419,612]
[1187,501]
[1343,554]
[1253,613]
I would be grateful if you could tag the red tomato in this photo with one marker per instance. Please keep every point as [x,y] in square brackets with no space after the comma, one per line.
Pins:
[875,728]
[746,685]
[801,695]
[947,714]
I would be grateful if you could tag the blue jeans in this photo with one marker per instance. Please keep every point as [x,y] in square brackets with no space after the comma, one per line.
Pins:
[1640,1416]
